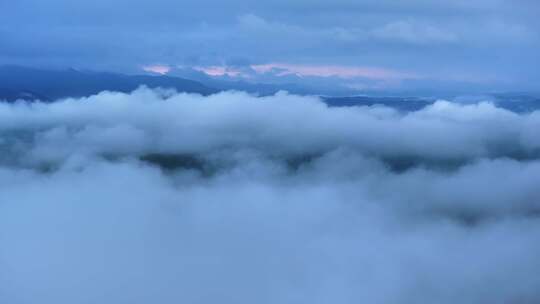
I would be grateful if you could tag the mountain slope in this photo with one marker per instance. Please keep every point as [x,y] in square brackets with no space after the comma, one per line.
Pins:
[29,83]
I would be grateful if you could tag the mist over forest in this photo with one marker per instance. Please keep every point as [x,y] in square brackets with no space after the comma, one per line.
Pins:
[158,196]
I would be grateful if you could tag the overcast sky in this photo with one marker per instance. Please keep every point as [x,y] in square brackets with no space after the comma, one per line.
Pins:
[365,44]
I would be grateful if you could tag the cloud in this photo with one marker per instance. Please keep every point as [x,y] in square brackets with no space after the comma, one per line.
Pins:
[347,72]
[411,32]
[156,196]
[450,37]
[157,69]
[220,71]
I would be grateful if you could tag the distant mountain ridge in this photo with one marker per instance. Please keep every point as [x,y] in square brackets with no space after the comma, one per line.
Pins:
[26,83]
[22,83]
[47,85]
[517,103]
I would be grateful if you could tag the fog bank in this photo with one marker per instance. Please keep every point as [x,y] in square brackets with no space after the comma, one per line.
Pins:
[161,197]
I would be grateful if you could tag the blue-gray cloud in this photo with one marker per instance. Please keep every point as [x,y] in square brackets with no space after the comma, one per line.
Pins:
[161,197]
[491,42]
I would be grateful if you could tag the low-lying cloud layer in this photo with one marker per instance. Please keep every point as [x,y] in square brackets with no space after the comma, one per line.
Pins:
[159,197]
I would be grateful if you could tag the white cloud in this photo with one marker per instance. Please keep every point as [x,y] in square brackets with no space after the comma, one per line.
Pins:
[161,197]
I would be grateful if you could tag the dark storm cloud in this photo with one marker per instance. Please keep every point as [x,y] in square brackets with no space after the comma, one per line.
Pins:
[476,42]
[162,197]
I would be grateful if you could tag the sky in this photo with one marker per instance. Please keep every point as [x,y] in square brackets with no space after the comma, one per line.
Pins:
[159,196]
[385,44]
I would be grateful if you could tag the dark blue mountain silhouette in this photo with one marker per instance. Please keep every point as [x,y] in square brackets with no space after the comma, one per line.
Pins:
[29,83]
[24,83]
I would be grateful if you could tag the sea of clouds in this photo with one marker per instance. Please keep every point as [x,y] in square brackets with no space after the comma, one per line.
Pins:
[161,197]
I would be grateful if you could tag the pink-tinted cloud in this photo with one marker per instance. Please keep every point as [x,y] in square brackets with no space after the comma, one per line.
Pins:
[157,68]
[347,72]
[219,71]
